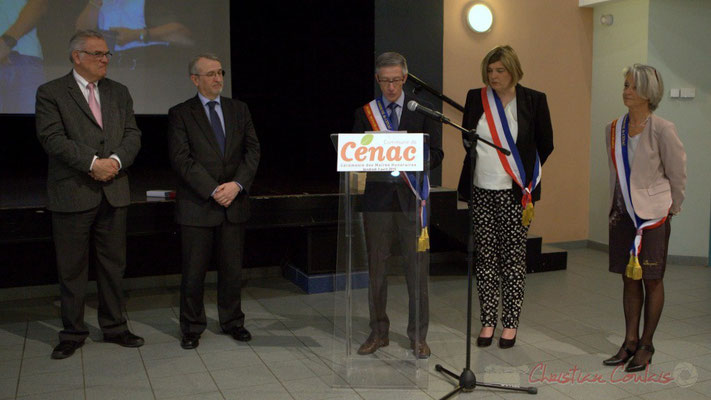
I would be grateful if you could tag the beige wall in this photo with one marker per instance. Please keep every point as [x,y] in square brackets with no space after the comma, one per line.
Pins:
[614,47]
[553,39]
[672,37]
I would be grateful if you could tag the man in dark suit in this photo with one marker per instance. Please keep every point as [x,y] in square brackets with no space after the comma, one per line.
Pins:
[215,152]
[389,212]
[86,125]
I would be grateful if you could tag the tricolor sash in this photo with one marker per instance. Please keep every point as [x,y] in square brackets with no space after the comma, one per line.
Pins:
[379,121]
[619,141]
[513,165]
[377,116]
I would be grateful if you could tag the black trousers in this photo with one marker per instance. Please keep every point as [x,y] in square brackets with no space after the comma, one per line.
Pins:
[73,233]
[382,229]
[198,245]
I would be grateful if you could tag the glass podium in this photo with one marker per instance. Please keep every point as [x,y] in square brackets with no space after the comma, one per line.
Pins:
[382,276]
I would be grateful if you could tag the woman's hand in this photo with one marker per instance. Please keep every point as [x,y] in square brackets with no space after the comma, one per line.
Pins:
[126,35]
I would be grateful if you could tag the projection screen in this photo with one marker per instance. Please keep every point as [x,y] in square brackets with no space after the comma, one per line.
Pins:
[152,42]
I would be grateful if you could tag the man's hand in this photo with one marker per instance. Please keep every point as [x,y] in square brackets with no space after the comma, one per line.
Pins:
[105,169]
[226,193]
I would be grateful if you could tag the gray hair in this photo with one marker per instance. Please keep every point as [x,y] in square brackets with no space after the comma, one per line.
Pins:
[192,65]
[648,83]
[391,59]
[79,38]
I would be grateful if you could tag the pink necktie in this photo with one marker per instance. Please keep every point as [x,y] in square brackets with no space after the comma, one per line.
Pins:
[94,105]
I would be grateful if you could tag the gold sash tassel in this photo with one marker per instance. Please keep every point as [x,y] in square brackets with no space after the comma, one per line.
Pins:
[423,242]
[634,269]
[527,216]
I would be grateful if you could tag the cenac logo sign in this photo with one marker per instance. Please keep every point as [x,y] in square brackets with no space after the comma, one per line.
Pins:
[380,152]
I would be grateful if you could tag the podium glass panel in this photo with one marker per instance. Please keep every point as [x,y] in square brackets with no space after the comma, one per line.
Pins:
[381,283]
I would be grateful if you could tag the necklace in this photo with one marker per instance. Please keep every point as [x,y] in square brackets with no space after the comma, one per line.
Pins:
[640,124]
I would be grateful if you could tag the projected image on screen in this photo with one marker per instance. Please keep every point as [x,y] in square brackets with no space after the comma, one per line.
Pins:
[151,42]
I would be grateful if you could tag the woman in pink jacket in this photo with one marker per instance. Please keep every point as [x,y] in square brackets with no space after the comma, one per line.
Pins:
[647,181]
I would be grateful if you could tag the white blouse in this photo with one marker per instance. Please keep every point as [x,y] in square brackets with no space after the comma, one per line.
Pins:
[488,173]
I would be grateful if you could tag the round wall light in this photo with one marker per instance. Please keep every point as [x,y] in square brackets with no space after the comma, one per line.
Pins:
[479,18]
[607,19]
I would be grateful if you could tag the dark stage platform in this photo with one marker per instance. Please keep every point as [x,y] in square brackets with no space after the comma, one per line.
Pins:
[296,230]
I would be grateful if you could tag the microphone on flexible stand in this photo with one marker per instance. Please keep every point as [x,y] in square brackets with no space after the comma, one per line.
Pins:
[412,105]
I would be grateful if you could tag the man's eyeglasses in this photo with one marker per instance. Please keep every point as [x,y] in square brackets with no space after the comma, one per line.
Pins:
[213,74]
[97,54]
[395,81]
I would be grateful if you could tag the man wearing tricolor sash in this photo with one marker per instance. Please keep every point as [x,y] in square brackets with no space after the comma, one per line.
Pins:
[395,209]
[647,183]
[504,188]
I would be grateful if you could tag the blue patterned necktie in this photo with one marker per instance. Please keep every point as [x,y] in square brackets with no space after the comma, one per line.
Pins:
[393,116]
[217,126]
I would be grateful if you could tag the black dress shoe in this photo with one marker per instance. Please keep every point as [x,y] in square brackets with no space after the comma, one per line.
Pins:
[617,360]
[66,348]
[632,367]
[240,333]
[190,341]
[125,339]
[507,343]
[484,341]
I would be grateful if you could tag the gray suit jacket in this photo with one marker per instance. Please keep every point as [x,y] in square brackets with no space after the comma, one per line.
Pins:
[201,166]
[70,135]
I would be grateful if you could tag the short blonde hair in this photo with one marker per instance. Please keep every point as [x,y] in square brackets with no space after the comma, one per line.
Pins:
[647,83]
[508,57]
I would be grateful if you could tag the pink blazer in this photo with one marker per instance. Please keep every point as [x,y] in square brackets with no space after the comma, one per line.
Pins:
[658,170]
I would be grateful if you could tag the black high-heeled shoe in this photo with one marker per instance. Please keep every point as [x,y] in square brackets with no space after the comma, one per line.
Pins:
[616,360]
[507,343]
[484,341]
[631,367]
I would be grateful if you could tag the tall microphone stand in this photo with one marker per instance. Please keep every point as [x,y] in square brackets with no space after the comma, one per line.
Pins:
[467,380]
[420,84]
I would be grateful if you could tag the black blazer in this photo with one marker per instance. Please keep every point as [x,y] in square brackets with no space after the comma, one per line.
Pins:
[535,132]
[384,192]
[196,158]
[70,135]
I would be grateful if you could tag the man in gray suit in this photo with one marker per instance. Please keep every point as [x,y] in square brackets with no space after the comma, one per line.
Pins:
[86,125]
[215,152]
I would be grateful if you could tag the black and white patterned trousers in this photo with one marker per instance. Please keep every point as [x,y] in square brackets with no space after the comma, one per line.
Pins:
[500,242]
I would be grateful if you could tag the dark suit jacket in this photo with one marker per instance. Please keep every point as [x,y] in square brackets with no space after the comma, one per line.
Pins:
[70,135]
[535,132]
[201,166]
[383,192]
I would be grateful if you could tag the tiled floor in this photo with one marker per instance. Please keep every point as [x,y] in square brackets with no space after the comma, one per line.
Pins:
[572,320]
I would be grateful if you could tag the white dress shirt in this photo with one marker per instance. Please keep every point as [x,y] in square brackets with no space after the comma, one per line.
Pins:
[84,87]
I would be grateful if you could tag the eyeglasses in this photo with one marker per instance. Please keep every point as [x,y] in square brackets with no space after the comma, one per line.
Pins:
[97,54]
[395,81]
[213,74]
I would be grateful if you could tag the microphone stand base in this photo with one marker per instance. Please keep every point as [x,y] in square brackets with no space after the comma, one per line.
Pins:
[467,383]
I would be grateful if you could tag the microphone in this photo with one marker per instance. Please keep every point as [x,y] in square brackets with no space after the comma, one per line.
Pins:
[412,105]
